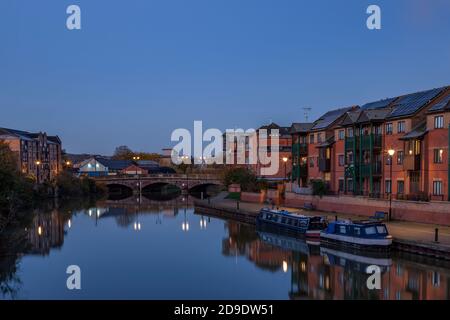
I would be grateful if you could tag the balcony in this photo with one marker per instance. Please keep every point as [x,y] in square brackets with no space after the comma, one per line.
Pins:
[324,165]
[373,169]
[299,171]
[371,141]
[349,143]
[411,163]
[300,149]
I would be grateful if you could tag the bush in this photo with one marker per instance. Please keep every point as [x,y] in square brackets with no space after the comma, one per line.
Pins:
[70,186]
[319,188]
[245,178]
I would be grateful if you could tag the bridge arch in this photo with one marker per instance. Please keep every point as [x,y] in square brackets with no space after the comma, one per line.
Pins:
[119,191]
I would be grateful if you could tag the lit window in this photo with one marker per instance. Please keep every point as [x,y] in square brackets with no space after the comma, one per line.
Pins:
[438,155]
[438,122]
[437,188]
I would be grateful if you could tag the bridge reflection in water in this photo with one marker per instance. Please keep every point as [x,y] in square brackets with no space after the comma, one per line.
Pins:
[312,272]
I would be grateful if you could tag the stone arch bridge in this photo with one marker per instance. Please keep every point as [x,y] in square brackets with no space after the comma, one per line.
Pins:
[185,182]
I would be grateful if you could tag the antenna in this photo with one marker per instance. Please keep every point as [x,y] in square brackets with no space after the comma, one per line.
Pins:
[306,111]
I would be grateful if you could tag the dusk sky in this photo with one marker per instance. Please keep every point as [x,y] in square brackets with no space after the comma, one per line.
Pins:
[139,69]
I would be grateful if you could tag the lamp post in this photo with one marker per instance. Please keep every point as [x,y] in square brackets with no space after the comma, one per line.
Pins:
[38,163]
[391,153]
[285,159]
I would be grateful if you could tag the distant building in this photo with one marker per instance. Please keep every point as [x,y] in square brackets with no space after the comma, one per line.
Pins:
[166,158]
[96,167]
[39,155]
[134,170]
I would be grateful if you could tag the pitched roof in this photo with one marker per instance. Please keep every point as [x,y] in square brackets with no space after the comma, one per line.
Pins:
[411,103]
[417,132]
[378,104]
[282,130]
[300,127]
[443,105]
[114,164]
[331,117]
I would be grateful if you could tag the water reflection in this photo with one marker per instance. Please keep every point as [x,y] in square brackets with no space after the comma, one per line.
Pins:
[286,267]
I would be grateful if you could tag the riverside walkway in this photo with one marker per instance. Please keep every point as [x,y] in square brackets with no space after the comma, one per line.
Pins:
[408,236]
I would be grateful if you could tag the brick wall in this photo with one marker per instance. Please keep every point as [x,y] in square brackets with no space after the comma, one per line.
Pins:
[424,212]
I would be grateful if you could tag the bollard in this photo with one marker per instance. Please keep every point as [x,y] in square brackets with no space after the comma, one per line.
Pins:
[237,205]
[335,218]
[436,235]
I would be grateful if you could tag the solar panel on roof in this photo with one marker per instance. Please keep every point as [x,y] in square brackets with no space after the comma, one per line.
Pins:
[410,103]
[442,104]
[378,104]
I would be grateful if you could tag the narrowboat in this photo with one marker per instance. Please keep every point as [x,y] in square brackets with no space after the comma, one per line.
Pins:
[308,225]
[372,235]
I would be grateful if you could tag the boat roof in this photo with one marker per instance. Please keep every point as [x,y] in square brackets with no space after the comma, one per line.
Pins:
[359,222]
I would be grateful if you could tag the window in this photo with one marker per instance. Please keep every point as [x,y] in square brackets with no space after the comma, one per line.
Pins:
[350,157]
[388,186]
[319,138]
[400,186]
[311,162]
[381,229]
[342,229]
[438,122]
[341,134]
[311,139]
[400,126]
[357,231]
[350,132]
[400,157]
[389,160]
[341,160]
[341,185]
[389,128]
[370,230]
[438,155]
[437,188]
[350,185]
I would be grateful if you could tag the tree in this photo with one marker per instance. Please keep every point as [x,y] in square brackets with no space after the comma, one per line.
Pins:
[245,178]
[123,153]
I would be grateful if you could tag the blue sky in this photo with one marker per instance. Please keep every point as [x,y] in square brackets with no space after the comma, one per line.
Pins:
[138,69]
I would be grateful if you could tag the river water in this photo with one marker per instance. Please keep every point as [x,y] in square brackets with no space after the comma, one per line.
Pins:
[163,250]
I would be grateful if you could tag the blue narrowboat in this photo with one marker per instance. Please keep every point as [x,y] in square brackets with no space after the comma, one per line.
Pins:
[308,225]
[372,235]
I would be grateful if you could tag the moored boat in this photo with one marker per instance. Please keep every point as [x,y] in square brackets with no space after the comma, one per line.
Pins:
[372,235]
[308,225]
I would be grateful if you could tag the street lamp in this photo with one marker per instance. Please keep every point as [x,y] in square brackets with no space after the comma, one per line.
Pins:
[38,163]
[285,159]
[391,153]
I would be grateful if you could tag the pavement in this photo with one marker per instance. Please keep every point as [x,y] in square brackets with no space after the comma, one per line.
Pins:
[419,233]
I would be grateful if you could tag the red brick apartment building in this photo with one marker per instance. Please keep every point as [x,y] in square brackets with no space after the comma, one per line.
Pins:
[349,148]
[285,150]
[38,154]
[322,150]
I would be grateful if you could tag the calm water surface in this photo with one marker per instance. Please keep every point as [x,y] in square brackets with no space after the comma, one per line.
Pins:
[163,250]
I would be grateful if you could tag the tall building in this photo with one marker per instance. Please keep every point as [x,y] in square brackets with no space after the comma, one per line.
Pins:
[38,154]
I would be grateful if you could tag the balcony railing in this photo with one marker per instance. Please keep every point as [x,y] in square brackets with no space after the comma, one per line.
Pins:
[374,140]
[366,169]
[300,149]
[299,171]
[349,143]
